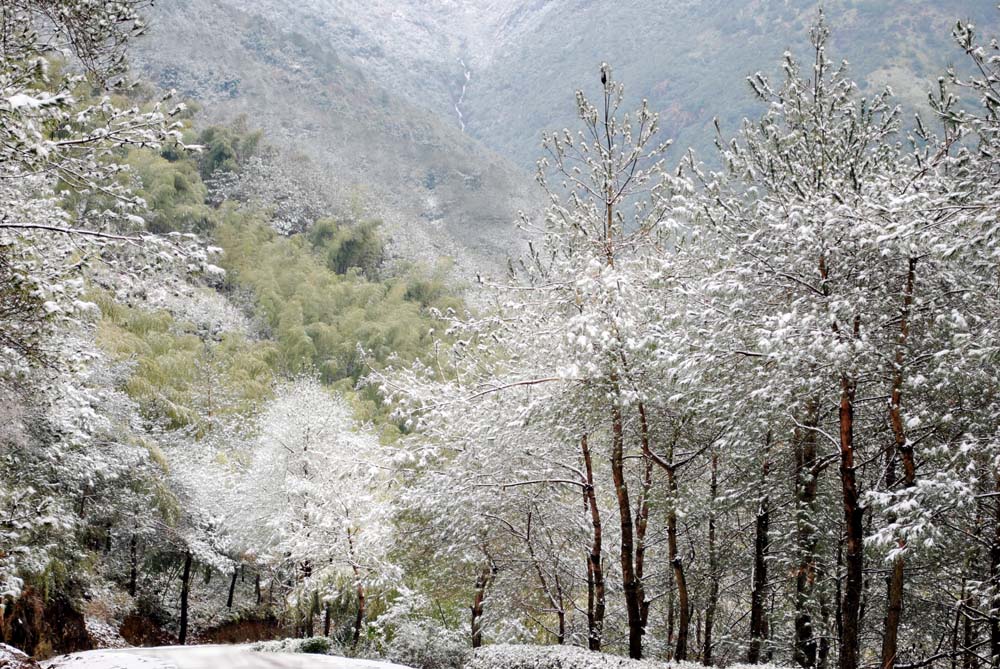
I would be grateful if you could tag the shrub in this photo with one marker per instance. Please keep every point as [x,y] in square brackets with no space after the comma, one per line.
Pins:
[317,645]
[425,645]
[504,656]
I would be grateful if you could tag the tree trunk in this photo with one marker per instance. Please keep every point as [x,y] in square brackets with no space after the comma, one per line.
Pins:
[853,521]
[326,619]
[482,583]
[671,604]
[552,588]
[256,588]
[185,591]
[595,569]
[969,658]
[630,585]
[995,578]
[232,588]
[641,524]
[713,565]
[133,558]
[902,448]
[676,562]
[359,587]
[954,631]
[758,617]
[683,600]
[359,619]
[806,480]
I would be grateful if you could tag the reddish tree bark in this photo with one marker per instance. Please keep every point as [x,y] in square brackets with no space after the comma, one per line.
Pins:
[482,583]
[904,450]
[807,471]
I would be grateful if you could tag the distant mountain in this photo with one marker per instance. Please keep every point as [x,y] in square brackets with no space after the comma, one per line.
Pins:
[399,99]
[524,59]
[690,58]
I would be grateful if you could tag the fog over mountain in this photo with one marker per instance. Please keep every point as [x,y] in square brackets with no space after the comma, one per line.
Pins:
[437,107]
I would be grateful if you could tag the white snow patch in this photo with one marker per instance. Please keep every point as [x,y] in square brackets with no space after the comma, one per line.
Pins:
[107,659]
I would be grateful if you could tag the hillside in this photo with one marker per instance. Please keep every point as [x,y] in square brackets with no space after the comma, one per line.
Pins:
[439,191]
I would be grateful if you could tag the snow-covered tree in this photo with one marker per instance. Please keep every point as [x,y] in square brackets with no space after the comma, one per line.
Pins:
[317,495]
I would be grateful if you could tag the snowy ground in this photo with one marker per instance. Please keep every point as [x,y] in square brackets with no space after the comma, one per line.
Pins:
[205,657]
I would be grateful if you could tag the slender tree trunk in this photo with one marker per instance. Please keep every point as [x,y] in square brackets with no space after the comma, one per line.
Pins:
[551,588]
[359,619]
[630,585]
[697,629]
[185,591]
[359,587]
[806,478]
[641,524]
[671,620]
[326,619]
[683,600]
[595,569]
[232,588]
[133,558]
[482,583]
[310,621]
[903,449]
[995,578]
[676,562]
[954,631]
[969,658]
[838,614]
[713,565]
[758,597]
[853,521]
[256,588]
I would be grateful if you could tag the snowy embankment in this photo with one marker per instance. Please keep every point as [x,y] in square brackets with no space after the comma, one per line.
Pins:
[205,657]
[502,656]
[499,656]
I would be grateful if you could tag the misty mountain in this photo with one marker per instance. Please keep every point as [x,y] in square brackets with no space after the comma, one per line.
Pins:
[432,111]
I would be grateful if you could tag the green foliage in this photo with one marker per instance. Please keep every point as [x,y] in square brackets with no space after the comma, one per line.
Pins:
[320,317]
[317,645]
[23,320]
[174,192]
[178,377]
[227,148]
[347,247]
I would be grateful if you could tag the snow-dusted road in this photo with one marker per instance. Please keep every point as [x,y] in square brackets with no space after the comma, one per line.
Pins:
[206,657]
